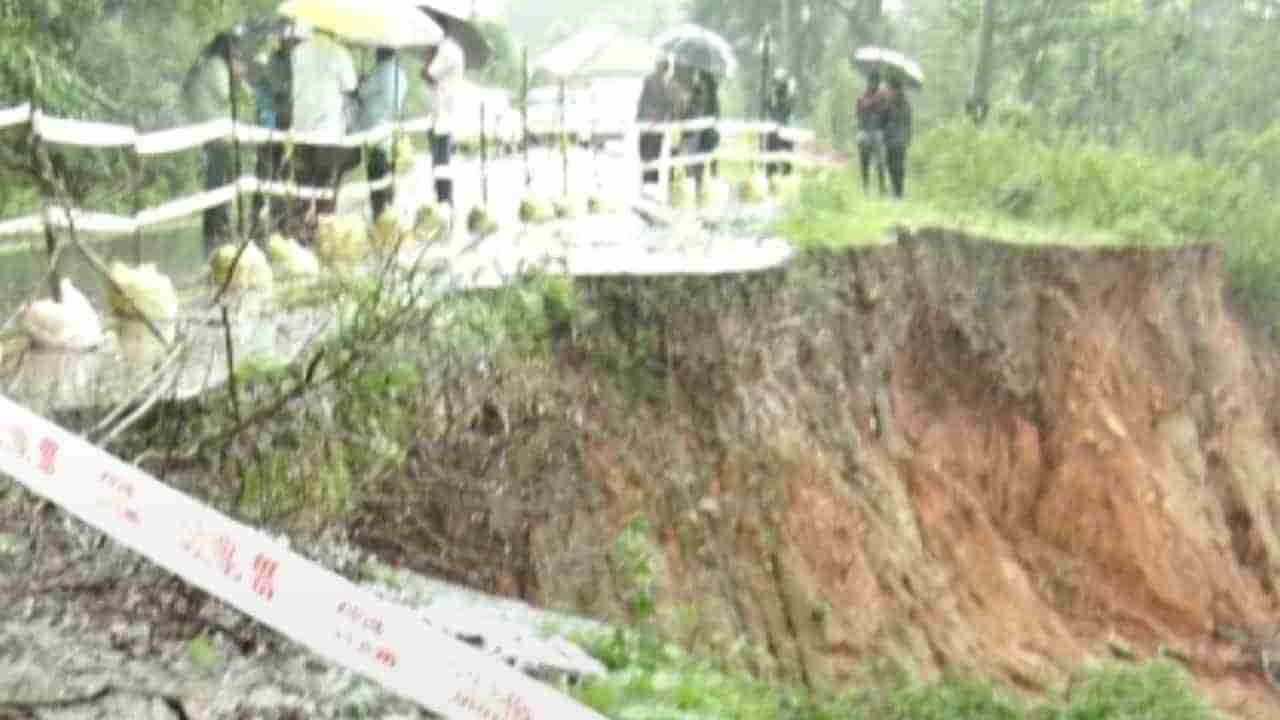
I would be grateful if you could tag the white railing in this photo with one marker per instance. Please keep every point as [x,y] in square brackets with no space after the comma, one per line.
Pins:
[750,152]
[80,133]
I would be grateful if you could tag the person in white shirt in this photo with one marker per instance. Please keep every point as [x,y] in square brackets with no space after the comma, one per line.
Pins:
[324,77]
[443,72]
[381,94]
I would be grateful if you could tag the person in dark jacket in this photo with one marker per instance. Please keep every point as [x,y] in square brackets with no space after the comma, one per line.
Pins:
[897,135]
[658,104]
[704,102]
[207,95]
[780,103]
[272,92]
[872,105]
[382,93]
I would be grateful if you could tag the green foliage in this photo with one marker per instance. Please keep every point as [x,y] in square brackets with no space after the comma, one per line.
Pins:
[480,223]
[519,316]
[633,559]
[504,67]
[834,119]
[1157,689]
[1023,182]
[830,211]
[120,62]
[311,492]
[952,699]
[652,679]
[1136,197]
[202,654]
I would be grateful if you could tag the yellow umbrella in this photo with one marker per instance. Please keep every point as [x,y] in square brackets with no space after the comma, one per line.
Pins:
[389,23]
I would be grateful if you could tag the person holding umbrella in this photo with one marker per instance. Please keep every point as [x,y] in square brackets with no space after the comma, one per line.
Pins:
[659,98]
[890,107]
[324,76]
[897,134]
[872,104]
[781,103]
[271,80]
[382,93]
[704,102]
[444,63]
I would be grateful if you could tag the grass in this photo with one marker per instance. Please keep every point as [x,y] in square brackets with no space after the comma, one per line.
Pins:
[1033,185]
[831,211]
[649,678]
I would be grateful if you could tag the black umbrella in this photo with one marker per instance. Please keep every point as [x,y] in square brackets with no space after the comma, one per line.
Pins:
[456,17]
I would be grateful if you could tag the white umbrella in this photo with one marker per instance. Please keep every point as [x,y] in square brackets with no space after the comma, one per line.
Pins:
[889,62]
[388,23]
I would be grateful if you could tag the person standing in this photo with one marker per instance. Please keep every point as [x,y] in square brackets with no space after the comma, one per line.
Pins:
[871,108]
[323,76]
[781,102]
[381,94]
[442,71]
[658,101]
[206,95]
[704,103]
[271,88]
[897,134]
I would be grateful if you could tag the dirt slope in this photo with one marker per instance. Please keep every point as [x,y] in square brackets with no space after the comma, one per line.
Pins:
[942,453]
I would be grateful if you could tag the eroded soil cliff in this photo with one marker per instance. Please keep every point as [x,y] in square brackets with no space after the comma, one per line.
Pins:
[944,452]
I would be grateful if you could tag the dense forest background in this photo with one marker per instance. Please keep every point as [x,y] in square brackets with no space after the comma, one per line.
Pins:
[1159,76]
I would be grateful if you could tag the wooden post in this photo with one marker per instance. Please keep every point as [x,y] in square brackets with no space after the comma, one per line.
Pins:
[134,164]
[484,161]
[524,116]
[564,146]
[664,167]
[232,80]
[595,145]
[762,141]
[44,170]
[399,119]
[764,77]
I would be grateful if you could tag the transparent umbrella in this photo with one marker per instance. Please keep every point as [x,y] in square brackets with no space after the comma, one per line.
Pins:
[697,47]
[889,62]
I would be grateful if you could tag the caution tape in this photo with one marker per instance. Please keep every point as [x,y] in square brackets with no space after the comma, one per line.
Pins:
[252,572]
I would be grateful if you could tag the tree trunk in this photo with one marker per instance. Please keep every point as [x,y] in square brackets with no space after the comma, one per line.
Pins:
[980,91]
[786,48]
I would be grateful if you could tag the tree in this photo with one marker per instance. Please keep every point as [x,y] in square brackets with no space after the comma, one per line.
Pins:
[110,60]
[980,92]
[812,35]
[504,67]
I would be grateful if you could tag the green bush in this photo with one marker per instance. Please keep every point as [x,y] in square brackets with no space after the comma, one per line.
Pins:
[951,699]
[1019,182]
[652,679]
[1157,689]
[1137,197]
[834,120]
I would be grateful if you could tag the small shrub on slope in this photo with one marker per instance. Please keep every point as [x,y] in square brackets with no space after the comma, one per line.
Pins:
[1158,689]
